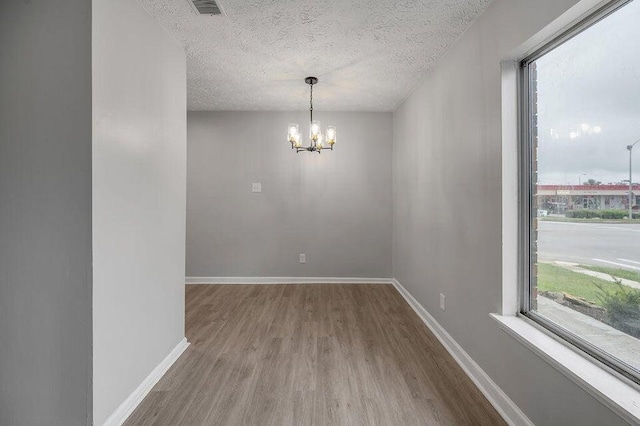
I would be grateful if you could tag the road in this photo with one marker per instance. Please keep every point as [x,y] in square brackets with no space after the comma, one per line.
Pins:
[604,244]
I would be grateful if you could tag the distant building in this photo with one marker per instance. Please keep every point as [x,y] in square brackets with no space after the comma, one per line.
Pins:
[560,198]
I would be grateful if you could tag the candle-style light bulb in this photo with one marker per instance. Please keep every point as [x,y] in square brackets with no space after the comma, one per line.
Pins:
[331,135]
[293,134]
[314,130]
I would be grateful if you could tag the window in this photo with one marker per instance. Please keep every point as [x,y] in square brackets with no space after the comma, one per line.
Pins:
[580,233]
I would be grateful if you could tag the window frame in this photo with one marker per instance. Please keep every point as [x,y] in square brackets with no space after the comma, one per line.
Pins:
[527,222]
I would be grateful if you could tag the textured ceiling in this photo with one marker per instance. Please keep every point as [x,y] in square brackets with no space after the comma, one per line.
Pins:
[368,54]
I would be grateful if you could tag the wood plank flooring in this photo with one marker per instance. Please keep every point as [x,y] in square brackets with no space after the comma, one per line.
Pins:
[325,354]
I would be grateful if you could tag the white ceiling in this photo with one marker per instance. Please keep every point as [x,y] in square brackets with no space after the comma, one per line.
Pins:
[368,54]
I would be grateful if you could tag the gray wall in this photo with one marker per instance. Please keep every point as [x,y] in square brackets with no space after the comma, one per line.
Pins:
[45,212]
[334,207]
[139,198]
[447,210]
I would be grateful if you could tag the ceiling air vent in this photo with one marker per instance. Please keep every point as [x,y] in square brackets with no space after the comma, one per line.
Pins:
[206,7]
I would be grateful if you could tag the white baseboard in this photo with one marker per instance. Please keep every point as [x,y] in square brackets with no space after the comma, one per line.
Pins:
[500,401]
[125,409]
[286,280]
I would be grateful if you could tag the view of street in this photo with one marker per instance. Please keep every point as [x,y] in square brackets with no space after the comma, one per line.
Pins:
[604,244]
[571,292]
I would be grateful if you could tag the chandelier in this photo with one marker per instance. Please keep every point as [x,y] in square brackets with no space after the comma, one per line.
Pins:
[317,139]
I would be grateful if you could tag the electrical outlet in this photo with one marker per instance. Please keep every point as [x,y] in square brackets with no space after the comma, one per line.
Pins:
[256,187]
[442,301]
[303,258]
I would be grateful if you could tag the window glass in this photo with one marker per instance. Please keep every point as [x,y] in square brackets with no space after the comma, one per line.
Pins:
[584,229]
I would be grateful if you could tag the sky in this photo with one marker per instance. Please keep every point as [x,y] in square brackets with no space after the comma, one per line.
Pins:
[590,86]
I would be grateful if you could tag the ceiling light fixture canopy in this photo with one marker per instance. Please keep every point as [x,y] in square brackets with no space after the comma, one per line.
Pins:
[315,131]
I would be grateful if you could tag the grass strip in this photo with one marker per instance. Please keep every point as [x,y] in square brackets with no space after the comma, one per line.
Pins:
[559,279]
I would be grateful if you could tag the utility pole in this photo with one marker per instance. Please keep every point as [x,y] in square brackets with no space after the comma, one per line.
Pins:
[630,148]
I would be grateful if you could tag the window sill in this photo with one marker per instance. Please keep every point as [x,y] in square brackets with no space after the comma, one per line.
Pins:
[614,392]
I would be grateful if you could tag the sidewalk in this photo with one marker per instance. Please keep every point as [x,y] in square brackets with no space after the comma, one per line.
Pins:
[621,345]
[606,277]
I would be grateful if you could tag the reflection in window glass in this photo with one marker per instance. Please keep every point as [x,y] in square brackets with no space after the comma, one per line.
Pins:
[584,107]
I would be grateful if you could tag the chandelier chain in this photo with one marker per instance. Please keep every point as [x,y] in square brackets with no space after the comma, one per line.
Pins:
[311,102]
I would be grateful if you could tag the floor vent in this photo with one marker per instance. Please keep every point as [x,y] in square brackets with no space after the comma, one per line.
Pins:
[206,7]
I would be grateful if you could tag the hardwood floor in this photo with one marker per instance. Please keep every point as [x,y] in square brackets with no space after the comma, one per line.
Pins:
[310,355]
